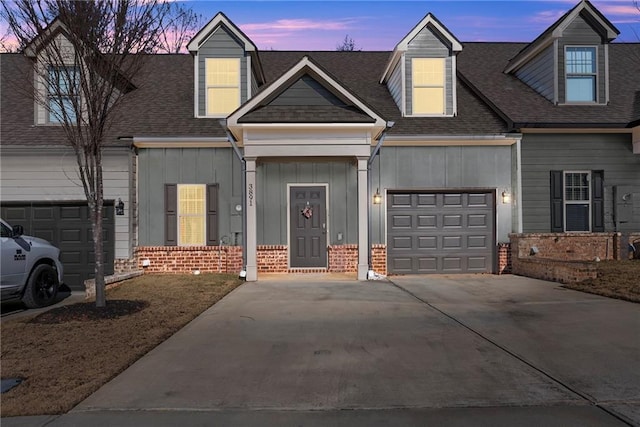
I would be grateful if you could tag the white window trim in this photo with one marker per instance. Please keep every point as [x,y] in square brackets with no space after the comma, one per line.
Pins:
[178,215]
[595,75]
[444,90]
[50,118]
[206,88]
[566,202]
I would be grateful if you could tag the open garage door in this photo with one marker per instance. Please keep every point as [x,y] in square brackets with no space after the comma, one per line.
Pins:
[67,226]
[440,232]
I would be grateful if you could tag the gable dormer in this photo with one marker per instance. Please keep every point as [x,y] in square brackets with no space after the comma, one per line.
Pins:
[421,73]
[227,69]
[569,62]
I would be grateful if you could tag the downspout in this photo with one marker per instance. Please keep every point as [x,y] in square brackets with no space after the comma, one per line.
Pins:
[243,178]
[373,155]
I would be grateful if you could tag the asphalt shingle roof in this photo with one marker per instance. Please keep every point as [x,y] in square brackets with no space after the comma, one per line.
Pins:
[163,106]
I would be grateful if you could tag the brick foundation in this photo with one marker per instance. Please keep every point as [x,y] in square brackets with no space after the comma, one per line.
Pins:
[185,259]
[563,257]
[123,265]
[504,258]
[379,258]
[272,258]
[343,258]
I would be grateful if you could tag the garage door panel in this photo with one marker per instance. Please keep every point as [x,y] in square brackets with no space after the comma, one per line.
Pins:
[440,232]
[67,226]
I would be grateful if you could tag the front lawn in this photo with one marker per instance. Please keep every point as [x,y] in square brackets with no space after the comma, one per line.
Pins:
[616,279]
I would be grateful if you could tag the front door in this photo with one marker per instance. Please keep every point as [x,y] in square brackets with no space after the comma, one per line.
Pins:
[308,223]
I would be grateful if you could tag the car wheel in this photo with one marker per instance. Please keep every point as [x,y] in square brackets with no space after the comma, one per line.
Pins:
[42,287]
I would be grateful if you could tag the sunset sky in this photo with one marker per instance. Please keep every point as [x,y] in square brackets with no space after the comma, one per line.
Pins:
[379,25]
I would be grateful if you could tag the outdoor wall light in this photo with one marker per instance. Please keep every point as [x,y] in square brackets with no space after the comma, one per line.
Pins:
[506,197]
[120,207]
[377,198]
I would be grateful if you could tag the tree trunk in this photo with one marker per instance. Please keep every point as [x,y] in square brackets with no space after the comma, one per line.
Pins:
[98,243]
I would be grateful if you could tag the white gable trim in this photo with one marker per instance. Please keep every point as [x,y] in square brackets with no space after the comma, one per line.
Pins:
[205,33]
[403,45]
[305,62]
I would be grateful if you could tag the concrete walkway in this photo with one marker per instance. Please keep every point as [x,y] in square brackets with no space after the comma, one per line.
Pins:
[458,350]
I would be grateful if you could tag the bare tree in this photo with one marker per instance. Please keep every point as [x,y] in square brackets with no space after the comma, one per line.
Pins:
[85,57]
[348,44]
[6,44]
[179,29]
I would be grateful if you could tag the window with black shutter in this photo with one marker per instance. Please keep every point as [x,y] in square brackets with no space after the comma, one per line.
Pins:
[577,201]
[191,214]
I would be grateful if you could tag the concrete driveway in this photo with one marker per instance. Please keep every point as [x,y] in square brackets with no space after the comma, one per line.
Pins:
[456,350]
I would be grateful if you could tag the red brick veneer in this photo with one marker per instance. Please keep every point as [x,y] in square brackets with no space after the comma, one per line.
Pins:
[186,259]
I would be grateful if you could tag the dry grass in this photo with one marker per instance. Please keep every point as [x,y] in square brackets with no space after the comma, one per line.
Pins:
[63,363]
[616,279]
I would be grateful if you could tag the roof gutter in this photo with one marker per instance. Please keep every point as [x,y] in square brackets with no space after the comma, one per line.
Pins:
[243,185]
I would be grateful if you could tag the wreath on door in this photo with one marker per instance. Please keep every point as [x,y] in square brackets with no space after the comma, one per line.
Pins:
[307,212]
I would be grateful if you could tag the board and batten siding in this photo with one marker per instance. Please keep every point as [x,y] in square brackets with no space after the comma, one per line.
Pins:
[427,45]
[272,197]
[41,176]
[539,73]
[611,153]
[580,33]
[221,44]
[160,166]
[443,168]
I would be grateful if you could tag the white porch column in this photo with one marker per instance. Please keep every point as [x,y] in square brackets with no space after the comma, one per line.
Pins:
[252,222]
[363,219]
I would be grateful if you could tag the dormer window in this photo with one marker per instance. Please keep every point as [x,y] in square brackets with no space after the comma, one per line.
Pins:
[581,73]
[428,86]
[223,85]
[63,90]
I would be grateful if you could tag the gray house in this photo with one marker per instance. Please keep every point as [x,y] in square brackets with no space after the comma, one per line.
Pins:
[426,159]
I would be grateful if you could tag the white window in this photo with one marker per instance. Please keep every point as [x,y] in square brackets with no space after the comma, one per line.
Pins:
[63,90]
[428,86]
[191,215]
[222,85]
[577,201]
[581,73]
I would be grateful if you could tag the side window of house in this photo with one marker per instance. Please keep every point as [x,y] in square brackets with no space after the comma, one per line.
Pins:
[581,74]
[63,91]
[223,85]
[191,214]
[428,86]
[577,201]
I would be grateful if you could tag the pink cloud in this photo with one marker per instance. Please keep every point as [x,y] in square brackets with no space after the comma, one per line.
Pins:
[547,16]
[299,25]
[611,9]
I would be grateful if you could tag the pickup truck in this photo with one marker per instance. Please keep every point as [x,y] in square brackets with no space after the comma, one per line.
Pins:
[30,268]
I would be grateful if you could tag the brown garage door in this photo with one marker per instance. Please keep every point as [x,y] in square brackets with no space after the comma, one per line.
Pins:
[440,232]
[67,226]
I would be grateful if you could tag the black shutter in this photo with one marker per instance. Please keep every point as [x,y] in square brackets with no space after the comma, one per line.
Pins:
[171,215]
[557,208]
[212,214]
[597,202]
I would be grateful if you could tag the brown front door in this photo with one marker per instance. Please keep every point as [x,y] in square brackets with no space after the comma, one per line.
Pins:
[308,227]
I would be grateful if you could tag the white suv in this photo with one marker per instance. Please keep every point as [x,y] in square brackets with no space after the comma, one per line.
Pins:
[30,267]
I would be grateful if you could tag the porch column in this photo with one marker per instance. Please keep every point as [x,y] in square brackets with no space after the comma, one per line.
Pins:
[252,222]
[363,219]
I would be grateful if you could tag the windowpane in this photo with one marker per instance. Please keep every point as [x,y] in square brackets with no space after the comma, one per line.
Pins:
[581,89]
[63,88]
[581,71]
[577,217]
[428,72]
[191,214]
[223,85]
[428,100]
[59,105]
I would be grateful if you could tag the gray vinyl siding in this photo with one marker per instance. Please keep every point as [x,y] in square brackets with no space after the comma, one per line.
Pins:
[306,91]
[580,33]
[539,73]
[427,45]
[221,44]
[160,166]
[418,168]
[272,197]
[395,85]
[41,175]
[543,153]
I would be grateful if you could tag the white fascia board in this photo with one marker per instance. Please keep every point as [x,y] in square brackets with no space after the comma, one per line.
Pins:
[208,30]
[577,130]
[453,140]
[391,65]
[196,89]
[180,142]
[539,47]
[559,30]
[31,50]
